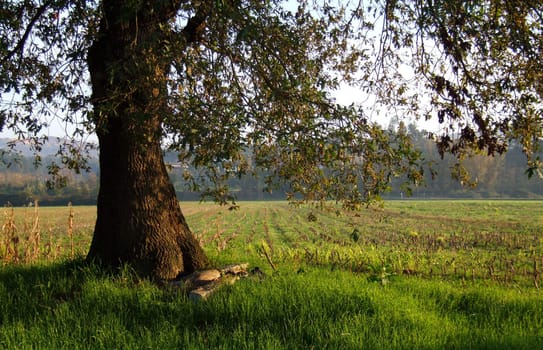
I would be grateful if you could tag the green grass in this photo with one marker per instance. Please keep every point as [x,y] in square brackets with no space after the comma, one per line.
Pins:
[70,305]
[399,286]
[497,242]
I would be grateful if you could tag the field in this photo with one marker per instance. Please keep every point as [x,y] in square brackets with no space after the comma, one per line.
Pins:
[413,274]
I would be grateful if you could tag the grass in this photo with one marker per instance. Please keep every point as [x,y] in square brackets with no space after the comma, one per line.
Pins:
[70,305]
[497,242]
[397,286]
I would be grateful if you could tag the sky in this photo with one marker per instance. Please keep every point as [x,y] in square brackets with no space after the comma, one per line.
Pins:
[346,95]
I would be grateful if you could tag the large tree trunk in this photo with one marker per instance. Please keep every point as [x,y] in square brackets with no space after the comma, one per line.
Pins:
[139,219]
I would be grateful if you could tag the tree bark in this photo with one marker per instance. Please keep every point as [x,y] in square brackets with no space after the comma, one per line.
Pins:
[139,220]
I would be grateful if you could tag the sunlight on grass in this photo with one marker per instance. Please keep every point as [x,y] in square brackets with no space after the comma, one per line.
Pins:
[466,279]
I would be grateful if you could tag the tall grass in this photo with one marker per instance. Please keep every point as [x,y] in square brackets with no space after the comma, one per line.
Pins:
[429,275]
[34,234]
[71,305]
[471,241]
[20,243]
[468,241]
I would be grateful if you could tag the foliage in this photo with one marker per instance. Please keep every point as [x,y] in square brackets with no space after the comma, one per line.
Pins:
[259,76]
[23,182]
[43,76]
[477,176]
[490,177]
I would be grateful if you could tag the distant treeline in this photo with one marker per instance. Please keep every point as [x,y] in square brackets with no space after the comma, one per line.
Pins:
[22,183]
[502,176]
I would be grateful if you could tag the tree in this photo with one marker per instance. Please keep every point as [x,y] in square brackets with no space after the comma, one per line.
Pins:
[218,78]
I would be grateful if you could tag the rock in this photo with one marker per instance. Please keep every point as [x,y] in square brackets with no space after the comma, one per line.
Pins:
[173,284]
[206,275]
[235,269]
[200,278]
[202,293]
[201,284]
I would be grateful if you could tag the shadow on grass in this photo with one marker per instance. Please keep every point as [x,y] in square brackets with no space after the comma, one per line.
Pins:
[76,305]
[73,303]
[27,291]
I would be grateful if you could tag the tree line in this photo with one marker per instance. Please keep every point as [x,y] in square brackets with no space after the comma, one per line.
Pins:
[478,176]
[23,181]
[502,176]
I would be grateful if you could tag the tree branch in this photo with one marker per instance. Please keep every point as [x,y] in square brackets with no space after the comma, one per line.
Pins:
[20,45]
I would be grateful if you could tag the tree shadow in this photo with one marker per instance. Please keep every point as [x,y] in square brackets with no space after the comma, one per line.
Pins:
[81,303]
[27,291]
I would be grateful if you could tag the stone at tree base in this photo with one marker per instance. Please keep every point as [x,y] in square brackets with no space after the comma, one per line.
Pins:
[200,278]
[201,284]
[235,269]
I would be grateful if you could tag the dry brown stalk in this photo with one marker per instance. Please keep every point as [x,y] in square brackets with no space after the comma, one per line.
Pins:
[49,244]
[11,239]
[536,274]
[34,237]
[71,229]
[268,257]
[221,245]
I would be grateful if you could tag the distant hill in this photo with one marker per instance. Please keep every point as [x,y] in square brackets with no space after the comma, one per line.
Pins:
[49,148]
[499,177]
[21,182]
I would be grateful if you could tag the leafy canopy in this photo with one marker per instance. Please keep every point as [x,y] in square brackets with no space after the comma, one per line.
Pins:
[250,84]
